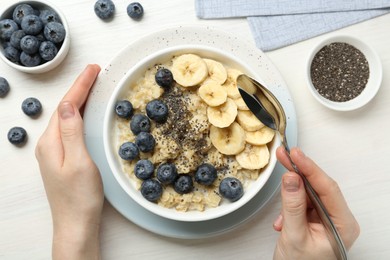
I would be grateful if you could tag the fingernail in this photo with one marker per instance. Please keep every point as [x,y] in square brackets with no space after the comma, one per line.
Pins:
[291,183]
[300,153]
[66,110]
[278,221]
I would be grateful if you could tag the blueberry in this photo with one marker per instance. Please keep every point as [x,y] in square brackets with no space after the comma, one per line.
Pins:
[7,28]
[135,10]
[205,174]
[166,173]
[151,190]
[32,107]
[139,123]
[48,50]
[30,60]
[144,169]
[164,78]
[21,11]
[54,32]
[183,184]
[29,44]
[31,24]
[41,37]
[16,37]
[4,87]
[231,189]
[48,16]
[104,9]
[12,54]
[6,44]
[124,109]
[145,142]
[128,151]
[17,135]
[157,111]
[37,12]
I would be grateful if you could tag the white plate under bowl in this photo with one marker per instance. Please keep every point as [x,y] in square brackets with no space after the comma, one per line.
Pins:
[110,135]
[114,72]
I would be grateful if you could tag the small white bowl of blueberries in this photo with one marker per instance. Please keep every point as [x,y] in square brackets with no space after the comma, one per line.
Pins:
[34,36]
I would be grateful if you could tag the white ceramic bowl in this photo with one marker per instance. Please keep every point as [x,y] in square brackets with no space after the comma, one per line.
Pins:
[62,52]
[374,80]
[109,137]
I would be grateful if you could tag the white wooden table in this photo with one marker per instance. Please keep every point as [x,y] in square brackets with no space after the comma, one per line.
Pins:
[353,147]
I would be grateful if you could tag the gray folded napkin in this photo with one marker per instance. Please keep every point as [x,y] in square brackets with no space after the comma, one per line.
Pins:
[278,23]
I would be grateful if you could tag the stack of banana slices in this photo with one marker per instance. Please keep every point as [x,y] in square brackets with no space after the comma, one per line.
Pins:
[234,130]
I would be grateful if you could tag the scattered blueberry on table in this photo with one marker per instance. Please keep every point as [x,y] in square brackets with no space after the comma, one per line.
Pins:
[17,135]
[32,107]
[32,37]
[135,10]
[104,9]
[4,87]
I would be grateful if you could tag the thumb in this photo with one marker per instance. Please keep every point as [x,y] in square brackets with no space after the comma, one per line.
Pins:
[71,129]
[294,207]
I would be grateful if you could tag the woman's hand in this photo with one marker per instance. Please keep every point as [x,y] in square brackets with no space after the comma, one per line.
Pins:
[72,181]
[302,234]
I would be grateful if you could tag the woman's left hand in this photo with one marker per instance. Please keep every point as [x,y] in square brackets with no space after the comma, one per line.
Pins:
[72,181]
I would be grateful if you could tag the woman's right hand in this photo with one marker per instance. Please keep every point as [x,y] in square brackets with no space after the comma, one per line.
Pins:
[303,236]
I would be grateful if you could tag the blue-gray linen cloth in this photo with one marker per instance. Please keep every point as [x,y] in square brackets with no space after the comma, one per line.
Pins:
[278,23]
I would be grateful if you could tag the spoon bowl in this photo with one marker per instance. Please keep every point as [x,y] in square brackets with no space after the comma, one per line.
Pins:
[266,107]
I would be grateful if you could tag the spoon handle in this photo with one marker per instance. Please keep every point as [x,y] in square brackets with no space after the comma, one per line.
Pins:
[331,231]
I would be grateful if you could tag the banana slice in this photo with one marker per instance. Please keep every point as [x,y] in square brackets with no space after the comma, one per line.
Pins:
[241,104]
[230,84]
[212,93]
[216,70]
[253,157]
[189,70]
[249,121]
[260,137]
[223,115]
[229,140]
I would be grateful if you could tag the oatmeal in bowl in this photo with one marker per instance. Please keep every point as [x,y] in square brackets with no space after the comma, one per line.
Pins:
[180,140]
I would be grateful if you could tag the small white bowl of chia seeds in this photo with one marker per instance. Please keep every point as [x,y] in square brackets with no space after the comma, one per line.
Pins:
[34,36]
[343,73]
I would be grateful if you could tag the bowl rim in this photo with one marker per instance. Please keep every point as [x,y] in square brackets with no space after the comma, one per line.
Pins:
[62,52]
[373,83]
[125,181]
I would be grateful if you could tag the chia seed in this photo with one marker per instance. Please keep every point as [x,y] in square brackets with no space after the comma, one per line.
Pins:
[339,72]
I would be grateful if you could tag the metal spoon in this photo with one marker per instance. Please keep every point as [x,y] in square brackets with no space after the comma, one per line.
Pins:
[266,107]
